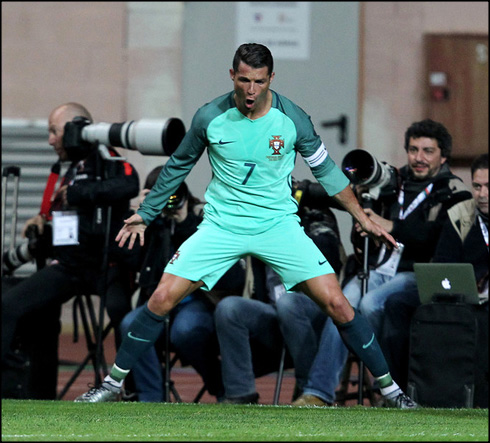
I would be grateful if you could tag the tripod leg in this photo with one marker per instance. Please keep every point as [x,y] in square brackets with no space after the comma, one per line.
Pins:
[365,277]
[280,374]
[360,392]
[167,359]
[100,330]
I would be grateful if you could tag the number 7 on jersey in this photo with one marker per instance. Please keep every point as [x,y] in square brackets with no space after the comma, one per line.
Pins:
[251,166]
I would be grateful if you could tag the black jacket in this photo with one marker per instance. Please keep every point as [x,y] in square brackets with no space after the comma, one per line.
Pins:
[162,238]
[451,248]
[420,230]
[97,184]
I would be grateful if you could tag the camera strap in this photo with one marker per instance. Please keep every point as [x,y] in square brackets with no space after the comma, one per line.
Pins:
[419,199]
[50,204]
[484,230]
[49,190]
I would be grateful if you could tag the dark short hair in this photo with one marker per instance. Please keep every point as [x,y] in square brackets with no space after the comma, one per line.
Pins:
[152,177]
[480,162]
[254,55]
[430,128]
[182,190]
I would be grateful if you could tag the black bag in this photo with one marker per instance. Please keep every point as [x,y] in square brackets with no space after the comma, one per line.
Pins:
[444,361]
[30,370]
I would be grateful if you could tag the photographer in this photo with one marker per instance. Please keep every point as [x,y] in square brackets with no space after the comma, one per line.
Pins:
[415,219]
[90,184]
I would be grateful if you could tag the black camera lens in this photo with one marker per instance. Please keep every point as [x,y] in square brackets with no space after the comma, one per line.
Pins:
[359,166]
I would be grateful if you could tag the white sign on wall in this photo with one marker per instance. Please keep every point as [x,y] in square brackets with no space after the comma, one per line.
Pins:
[284,27]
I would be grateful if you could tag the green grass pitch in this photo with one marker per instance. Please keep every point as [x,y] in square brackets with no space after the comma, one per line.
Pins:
[31,420]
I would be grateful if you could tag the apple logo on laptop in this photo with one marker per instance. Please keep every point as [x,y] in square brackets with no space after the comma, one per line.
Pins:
[446,284]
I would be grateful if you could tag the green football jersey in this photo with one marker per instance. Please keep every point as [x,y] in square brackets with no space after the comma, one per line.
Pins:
[252,162]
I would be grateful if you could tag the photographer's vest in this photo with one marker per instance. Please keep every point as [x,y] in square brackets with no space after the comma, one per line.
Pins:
[462,216]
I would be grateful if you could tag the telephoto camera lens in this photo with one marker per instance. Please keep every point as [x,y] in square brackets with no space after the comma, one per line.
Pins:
[148,136]
[14,258]
[362,168]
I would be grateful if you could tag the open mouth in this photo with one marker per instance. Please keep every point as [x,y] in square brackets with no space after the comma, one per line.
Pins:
[249,102]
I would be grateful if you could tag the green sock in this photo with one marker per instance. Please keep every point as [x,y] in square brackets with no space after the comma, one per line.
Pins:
[385,380]
[118,374]
[144,330]
[359,338]
[388,386]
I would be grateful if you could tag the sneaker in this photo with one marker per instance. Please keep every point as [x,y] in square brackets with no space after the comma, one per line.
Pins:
[309,400]
[400,401]
[244,400]
[105,392]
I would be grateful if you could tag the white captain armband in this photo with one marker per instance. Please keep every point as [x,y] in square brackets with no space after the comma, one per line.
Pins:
[318,157]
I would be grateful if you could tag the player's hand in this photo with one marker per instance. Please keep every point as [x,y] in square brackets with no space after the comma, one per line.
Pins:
[365,218]
[377,232]
[133,227]
[387,225]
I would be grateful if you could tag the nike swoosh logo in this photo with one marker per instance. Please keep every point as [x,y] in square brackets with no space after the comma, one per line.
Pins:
[322,262]
[130,335]
[368,344]
[221,142]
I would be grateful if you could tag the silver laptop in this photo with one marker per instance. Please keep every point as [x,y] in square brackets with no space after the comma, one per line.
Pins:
[448,279]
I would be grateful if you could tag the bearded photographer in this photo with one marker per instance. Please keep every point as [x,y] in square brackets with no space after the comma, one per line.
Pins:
[91,183]
[414,215]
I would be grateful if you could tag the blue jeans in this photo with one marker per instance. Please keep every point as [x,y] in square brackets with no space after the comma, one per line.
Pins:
[301,322]
[193,337]
[332,354]
[250,334]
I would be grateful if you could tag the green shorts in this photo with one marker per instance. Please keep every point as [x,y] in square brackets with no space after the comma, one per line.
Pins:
[286,248]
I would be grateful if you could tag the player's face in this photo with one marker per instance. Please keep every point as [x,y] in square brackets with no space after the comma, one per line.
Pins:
[424,157]
[479,185]
[251,88]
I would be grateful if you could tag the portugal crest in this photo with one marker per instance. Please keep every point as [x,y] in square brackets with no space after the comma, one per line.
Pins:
[276,144]
[175,257]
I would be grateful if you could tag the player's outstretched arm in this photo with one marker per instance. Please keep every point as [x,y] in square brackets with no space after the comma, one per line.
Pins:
[133,227]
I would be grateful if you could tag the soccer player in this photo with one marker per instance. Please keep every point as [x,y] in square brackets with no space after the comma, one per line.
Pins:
[252,135]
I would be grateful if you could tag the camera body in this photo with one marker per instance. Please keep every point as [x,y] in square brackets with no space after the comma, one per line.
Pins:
[75,146]
[363,169]
[148,136]
[310,194]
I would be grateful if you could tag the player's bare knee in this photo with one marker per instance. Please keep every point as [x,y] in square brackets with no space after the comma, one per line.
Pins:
[160,302]
[339,308]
